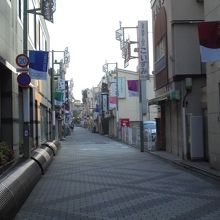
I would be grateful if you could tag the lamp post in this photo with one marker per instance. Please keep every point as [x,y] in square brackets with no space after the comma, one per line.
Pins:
[26,91]
[66,61]
[46,10]
[143,64]
[105,69]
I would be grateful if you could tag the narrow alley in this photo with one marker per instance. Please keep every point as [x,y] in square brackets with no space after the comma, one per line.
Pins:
[94,177]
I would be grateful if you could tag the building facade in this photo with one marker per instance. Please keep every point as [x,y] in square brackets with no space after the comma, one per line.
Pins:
[212,14]
[180,78]
[110,99]
[11,95]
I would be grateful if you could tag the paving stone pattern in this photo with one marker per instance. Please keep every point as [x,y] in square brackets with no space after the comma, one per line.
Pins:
[94,178]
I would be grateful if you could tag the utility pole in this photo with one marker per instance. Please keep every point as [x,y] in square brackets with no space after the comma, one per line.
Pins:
[52,99]
[141,117]
[117,102]
[105,69]
[66,58]
[46,10]
[26,91]
[143,64]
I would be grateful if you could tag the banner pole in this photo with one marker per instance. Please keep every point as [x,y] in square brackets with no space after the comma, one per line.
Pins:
[26,91]
[52,99]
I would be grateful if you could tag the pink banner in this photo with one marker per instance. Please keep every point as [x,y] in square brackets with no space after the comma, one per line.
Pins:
[209,37]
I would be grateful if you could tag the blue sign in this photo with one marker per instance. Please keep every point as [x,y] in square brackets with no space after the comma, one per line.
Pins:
[38,64]
[24,80]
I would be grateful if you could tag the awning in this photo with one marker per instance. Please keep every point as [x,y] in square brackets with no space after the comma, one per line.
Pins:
[156,100]
[173,95]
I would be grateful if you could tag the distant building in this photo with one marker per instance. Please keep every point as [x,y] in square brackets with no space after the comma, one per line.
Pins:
[128,104]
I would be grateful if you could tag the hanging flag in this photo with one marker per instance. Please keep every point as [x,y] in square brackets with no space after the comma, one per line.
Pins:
[133,87]
[209,37]
[38,64]
[58,98]
[112,102]
[97,108]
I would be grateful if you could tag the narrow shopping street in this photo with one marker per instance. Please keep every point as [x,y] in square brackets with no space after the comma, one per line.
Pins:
[95,177]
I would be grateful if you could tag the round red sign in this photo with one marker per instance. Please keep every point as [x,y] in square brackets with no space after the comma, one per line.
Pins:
[22,60]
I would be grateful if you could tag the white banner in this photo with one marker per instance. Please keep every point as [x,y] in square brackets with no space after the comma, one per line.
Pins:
[121,87]
[143,49]
[61,84]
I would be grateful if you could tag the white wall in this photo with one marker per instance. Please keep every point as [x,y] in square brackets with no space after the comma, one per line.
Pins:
[129,106]
[212,13]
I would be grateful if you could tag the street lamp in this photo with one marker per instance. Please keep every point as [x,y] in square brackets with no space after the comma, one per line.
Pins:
[143,63]
[105,69]
[66,57]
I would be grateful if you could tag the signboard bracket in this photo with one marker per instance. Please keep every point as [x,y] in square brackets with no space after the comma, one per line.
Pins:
[36,11]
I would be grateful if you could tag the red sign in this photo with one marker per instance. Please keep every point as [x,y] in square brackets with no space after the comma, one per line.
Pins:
[24,80]
[125,122]
[22,60]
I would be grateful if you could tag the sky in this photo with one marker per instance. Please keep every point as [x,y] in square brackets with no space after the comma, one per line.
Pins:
[87,28]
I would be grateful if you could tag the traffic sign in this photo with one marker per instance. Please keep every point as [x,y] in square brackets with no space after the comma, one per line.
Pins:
[24,80]
[22,60]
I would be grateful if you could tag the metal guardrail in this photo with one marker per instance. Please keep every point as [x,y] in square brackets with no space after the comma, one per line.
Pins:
[43,158]
[19,182]
[51,146]
[57,143]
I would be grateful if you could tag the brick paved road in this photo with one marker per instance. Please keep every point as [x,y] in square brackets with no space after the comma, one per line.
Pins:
[94,178]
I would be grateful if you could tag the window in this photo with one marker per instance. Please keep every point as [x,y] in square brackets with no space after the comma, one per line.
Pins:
[44,122]
[160,49]
[31,29]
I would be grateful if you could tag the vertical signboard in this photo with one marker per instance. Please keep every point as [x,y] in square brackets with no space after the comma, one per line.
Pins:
[112,95]
[143,61]
[61,84]
[143,49]
[126,53]
[105,102]
[48,7]
[121,87]
[66,90]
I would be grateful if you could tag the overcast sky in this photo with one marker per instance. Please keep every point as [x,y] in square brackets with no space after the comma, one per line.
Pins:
[87,28]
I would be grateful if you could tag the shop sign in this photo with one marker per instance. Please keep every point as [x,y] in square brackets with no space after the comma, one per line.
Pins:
[125,122]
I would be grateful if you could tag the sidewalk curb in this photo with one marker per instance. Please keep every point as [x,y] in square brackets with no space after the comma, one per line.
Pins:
[188,166]
[179,162]
[199,170]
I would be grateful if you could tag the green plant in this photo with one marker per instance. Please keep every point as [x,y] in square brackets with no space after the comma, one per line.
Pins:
[1,158]
[6,153]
